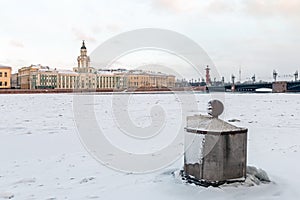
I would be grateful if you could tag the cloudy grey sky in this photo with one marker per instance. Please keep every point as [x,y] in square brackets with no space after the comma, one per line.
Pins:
[256,35]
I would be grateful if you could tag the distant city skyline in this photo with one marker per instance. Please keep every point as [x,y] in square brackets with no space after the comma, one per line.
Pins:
[256,36]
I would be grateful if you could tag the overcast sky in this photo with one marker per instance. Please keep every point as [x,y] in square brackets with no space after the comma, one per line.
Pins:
[256,35]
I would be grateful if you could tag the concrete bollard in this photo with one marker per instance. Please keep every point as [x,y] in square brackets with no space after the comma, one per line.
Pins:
[216,151]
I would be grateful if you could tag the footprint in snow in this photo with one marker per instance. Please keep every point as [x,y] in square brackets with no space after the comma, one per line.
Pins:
[93,197]
[86,180]
[51,198]
[26,180]
[7,195]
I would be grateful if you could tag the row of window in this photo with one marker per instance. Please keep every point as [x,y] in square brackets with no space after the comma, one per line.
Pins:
[105,85]
[104,79]
[3,83]
[48,81]
[47,78]
[1,74]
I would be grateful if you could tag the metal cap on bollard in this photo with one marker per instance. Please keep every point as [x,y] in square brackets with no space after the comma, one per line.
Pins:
[215,108]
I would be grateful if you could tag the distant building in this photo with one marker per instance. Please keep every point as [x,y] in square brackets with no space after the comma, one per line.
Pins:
[41,77]
[144,79]
[5,76]
[15,83]
[86,77]
[46,78]
[28,76]
[111,79]
[67,79]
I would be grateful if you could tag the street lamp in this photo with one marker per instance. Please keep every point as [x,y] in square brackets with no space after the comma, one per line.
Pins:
[232,78]
[296,75]
[253,78]
[275,75]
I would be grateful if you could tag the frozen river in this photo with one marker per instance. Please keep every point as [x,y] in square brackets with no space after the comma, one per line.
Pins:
[42,156]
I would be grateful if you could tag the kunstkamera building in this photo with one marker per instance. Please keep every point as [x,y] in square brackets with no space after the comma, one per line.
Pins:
[86,77]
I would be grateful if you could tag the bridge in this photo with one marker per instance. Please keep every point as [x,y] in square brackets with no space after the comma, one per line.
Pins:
[249,87]
[293,86]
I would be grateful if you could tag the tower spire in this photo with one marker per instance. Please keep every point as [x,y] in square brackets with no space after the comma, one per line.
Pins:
[83,45]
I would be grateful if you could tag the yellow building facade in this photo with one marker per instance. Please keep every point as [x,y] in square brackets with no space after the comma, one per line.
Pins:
[144,79]
[5,77]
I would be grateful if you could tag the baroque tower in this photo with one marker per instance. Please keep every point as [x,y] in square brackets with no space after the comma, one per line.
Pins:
[83,59]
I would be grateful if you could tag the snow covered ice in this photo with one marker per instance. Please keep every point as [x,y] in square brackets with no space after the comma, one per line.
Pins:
[41,155]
